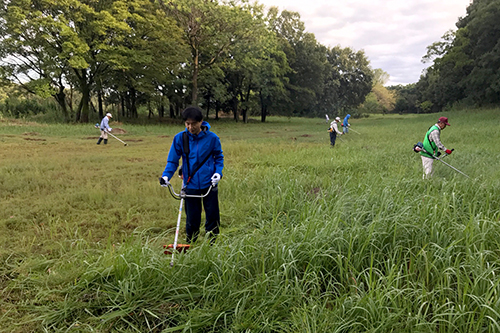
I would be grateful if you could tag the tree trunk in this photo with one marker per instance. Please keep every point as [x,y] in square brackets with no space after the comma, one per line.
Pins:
[178,109]
[122,103]
[78,111]
[70,99]
[128,104]
[61,100]
[217,108]
[133,97]
[245,109]
[234,104]
[161,110]
[196,69]
[263,108]
[208,104]
[244,115]
[85,101]
[84,115]
[171,109]
[99,103]
[150,111]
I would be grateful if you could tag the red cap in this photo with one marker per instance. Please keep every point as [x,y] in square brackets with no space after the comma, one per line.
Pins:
[444,120]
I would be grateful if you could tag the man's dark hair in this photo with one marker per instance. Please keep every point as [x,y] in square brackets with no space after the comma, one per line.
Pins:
[192,112]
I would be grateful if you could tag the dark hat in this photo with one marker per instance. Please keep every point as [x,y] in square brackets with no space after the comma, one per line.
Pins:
[444,120]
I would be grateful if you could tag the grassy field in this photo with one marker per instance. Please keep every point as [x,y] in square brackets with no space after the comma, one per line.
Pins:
[313,239]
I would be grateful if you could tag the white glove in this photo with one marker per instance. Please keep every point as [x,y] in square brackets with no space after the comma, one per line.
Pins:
[215,179]
[164,181]
[109,129]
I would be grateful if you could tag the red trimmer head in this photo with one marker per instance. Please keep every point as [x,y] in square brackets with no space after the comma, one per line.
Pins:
[180,248]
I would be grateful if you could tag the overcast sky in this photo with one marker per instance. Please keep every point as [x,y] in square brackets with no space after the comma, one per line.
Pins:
[394,34]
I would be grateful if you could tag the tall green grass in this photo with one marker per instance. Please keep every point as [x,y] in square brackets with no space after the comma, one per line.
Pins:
[314,239]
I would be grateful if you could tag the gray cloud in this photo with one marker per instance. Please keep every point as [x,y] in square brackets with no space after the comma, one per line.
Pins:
[394,34]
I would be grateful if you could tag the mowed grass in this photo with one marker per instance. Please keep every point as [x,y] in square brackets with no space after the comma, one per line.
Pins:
[314,239]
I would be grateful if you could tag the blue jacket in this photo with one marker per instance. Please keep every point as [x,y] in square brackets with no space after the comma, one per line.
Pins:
[346,120]
[200,145]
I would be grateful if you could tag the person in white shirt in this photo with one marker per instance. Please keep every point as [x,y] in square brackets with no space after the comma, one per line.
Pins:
[105,129]
[334,130]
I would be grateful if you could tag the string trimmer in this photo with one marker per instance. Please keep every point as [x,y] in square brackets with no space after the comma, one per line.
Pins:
[420,147]
[172,248]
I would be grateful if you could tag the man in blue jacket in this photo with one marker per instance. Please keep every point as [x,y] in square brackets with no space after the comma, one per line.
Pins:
[346,124]
[200,169]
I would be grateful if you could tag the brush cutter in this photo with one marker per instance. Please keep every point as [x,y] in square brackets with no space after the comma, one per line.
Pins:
[350,129]
[172,248]
[420,147]
[124,143]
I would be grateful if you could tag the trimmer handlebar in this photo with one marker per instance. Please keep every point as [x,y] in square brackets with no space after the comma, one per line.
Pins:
[183,195]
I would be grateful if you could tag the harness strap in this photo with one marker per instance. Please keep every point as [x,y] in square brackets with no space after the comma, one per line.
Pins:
[185,141]
[198,168]
[185,148]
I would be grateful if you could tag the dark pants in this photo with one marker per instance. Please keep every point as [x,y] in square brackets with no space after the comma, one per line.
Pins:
[333,137]
[193,214]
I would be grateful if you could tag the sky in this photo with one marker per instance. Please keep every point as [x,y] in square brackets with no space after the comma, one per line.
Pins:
[394,33]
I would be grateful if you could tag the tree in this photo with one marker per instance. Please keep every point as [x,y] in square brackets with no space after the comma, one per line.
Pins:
[407,98]
[349,80]
[149,57]
[482,51]
[466,64]
[306,58]
[210,30]
[380,77]
[438,49]
[29,53]
[55,42]
[383,98]
[99,33]
[256,71]
[442,83]
[271,77]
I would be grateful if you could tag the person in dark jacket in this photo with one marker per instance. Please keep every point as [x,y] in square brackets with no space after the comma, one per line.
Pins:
[205,148]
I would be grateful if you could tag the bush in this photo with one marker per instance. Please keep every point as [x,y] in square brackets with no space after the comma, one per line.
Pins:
[20,107]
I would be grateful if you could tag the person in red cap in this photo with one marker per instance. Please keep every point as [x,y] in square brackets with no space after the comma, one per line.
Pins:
[432,143]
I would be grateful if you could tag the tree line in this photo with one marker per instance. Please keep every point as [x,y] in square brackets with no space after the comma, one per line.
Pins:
[464,65]
[232,56]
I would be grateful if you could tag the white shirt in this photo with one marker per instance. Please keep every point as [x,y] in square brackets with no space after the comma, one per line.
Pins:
[333,125]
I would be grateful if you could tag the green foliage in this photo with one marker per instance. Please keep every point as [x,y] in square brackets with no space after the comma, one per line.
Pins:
[407,98]
[163,55]
[380,77]
[313,239]
[466,64]
[19,105]
[379,100]
[370,105]
[426,106]
[348,81]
